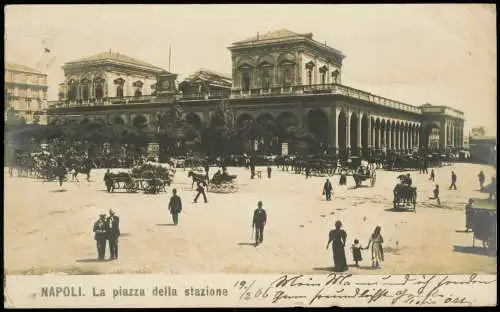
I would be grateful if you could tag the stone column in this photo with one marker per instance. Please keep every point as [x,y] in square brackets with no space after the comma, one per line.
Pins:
[332,129]
[348,130]
[379,135]
[359,135]
[388,143]
[336,144]
[410,136]
[369,134]
[417,136]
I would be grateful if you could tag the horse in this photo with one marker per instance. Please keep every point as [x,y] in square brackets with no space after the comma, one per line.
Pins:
[197,177]
[404,194]
[80,168]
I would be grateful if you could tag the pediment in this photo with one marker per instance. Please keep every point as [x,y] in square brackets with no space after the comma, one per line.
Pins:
[266,64]
[85,81]
[323,69]
[119,81]
[245,66]
[286,59]
[138,84]
[310,64]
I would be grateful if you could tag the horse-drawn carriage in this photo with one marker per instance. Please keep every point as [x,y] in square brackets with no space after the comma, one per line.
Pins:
[481,218]
[405,197]
[365,173]
[220,182]
[360,170]
[148,178]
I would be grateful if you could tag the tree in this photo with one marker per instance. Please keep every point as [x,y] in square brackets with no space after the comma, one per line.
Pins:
[222,128]
[478,132]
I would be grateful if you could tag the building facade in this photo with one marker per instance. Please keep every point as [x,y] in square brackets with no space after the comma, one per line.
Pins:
[107,78]
[25,92]
[290,79]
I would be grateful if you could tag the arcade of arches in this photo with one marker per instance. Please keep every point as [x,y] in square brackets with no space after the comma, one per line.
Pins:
[358,132]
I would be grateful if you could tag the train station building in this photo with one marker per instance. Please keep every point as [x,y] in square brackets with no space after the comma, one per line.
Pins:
[279,77]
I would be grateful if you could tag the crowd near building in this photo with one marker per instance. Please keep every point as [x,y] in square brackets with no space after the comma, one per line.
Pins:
[280,77]
[25,92]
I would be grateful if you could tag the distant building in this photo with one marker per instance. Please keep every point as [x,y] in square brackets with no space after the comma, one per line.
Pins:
[25,92]
[205,84]
[483,150]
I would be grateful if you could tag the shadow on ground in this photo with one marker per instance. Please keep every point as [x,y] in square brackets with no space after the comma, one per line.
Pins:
[400,210]
[59,191]
[91,260]
[475,250]
[165,224]
[246,244]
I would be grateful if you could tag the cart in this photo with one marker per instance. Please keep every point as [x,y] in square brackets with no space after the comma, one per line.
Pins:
[481,219]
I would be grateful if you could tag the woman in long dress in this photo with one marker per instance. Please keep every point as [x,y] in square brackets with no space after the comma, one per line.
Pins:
[376,241]
[338,239]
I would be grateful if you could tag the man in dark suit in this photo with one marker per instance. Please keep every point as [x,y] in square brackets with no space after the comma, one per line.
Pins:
[108,181]
[100,230]
[113,227]
[201,191]
[175,206]
[327,189]
[259,221]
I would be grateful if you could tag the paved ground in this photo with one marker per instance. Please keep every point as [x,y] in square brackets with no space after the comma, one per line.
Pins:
[49,228]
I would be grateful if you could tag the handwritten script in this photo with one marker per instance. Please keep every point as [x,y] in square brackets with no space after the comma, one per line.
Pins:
[338,289]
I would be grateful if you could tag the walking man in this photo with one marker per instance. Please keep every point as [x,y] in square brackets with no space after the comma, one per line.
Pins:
[113,227]
[269,172]
[201,191]
[175,206]
[108,181]
[433,176]
[481,178]
[453,181]
[327,189]
[100,230]
[258,223]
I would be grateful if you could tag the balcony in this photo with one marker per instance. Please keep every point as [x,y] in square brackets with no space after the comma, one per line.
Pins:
[216,94]
[324,89]
[103,102]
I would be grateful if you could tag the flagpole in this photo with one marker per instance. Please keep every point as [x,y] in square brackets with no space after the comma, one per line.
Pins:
[169,56]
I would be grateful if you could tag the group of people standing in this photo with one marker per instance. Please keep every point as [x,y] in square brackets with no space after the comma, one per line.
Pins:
[338,239]
[107,229]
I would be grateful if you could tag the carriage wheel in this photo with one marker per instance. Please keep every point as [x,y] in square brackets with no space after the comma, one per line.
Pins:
[131,187]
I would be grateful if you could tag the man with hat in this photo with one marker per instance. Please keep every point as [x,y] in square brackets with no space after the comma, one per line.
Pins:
[175,206]
[259,221]
[113,230]
[100,230]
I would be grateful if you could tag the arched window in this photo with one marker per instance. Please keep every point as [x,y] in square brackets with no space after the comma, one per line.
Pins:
[309,77]
[323,78]
[119,91]
[72,91]
[85,90]
[266,79]
[99,92]
[138,88]
[245,78]
[119,87]
[287,77]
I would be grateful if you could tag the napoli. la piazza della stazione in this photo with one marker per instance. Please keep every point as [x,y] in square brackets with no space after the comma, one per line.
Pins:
[273,133]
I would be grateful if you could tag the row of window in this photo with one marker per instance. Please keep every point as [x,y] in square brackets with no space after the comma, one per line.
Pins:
[286,78]
[26,104]
[25,78]
[98,92]
[30,93]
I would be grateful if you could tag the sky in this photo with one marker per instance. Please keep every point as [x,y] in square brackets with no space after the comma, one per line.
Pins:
[442,54]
